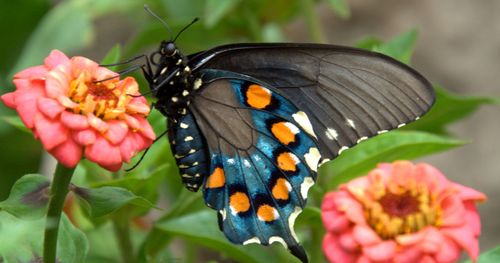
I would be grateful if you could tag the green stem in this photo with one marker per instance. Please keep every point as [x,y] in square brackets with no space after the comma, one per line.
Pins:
[312,21]
[121,227]
[58,191]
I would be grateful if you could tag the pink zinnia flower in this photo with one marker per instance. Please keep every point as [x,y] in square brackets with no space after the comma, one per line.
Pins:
[74,114]
[401,212]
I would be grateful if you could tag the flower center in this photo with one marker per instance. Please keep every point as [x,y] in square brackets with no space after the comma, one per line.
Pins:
[394,210]
[106,100]
[399,205]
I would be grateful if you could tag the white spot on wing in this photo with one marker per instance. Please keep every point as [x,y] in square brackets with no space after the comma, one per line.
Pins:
[361,139]
[175,99]
[192,151]
[401,125]
[230,161]
[183,125]
[301,118]
[291,221]
[312,158]
[223,213]
[382,131]
[343,149]
[292,127]
[323,162]
[351,123]
[247,163]
[331,134]
[278,239]
[163,71]
[197,83]
[186,176]
[304,187]
[185,93]
[183,166]
[252,240]
[188,138]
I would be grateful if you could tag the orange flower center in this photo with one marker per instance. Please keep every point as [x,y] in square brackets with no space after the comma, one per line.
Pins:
[393,210]
[106,100]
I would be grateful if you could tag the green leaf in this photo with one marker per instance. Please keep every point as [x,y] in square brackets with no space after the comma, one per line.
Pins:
[448,109]
[202,228]
[28,197]
[112,57]
[395,145]
[215,10]
[369,43]
[21,240]
[340,7]
[105,200]
[400,47]
[16,122]
[490,256]
[66,27]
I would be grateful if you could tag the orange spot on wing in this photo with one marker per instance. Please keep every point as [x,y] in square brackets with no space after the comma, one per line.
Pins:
[286,162]
[239,202]
[258,97]
[280,189]
[216,179]
[266,213]
[283,133]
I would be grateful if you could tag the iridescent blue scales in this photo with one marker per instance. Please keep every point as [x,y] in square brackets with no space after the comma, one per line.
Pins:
[263,160]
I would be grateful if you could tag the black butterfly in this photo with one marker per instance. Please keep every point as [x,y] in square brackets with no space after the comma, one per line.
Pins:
[251,123]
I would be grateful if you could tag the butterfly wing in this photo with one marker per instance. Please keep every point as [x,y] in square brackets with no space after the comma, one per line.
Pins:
[262,160]
[348,94]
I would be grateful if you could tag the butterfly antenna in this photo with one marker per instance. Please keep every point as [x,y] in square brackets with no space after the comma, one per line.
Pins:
[146,7]
[146,151]
[186,27]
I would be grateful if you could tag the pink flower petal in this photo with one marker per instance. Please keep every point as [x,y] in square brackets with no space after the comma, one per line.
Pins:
[74,121]
[472,217]
[26,100]
[347,242]
[408,254]
[68,153]
[365,236]
[467,193]
[334,253]
[380,252]
[49,107]
[103,153]
[97,123]
[410,239]
[9,99]
[133,122]
[51,133]
[116,132]
[141,143]
[57,83]
[85,137]
[448,253]
[32,73]
[433,240]
[465,238]
[127,148]
[138,107]
[334,221]
[55,59]
[453,211]
[146,130]
[79,64]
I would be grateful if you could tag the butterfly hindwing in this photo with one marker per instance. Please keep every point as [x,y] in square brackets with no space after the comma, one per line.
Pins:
[264,158]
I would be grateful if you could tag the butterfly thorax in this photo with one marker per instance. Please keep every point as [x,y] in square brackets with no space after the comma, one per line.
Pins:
[172,81]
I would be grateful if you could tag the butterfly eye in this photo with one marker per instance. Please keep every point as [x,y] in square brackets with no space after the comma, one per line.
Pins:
[170,49]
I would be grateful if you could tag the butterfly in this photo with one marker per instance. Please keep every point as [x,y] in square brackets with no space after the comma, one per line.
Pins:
[250,124]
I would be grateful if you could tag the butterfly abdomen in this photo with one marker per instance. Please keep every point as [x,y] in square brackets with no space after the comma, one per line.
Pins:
[190,152]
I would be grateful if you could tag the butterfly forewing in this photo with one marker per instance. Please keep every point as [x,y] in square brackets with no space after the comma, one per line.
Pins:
[348,94]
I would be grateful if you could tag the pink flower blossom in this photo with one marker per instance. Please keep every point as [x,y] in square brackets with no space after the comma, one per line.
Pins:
[401,212]
[74,114]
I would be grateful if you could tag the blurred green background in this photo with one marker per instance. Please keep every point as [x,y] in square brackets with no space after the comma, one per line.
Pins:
[458,48]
